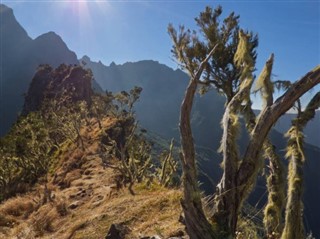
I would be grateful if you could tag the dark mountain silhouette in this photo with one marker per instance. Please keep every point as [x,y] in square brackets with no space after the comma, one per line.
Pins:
[20,57]
[163,91]
[50,47]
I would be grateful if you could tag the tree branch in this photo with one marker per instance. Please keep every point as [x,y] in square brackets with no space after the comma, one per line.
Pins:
[204,62]
[248,169]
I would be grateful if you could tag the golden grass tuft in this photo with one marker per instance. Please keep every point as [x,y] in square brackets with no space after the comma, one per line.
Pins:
[18,206]
[42,220]
[6,221]
[246,230]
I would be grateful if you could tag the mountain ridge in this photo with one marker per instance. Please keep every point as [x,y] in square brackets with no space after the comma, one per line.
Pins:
[22,56]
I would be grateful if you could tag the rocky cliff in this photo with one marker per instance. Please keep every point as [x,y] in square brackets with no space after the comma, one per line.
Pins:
[65,85]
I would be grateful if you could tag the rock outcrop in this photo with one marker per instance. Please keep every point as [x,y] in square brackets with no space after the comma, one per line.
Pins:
[65,84]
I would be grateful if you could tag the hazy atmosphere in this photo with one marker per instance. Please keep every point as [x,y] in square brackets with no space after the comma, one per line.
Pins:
[159,119]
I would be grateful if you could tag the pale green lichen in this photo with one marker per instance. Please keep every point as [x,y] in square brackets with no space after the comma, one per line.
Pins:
[264,84]
[294,228]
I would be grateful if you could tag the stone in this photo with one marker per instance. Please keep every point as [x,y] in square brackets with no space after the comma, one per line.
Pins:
[117,231]
[151,237]
[74,205]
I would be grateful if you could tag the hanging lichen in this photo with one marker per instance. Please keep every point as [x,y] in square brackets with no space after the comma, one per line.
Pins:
[275,180]
[264,84]
[229,149]
[242,58]
[294,210]
[276,193]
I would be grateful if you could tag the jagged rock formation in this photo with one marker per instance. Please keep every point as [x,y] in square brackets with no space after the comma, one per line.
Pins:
[65,84]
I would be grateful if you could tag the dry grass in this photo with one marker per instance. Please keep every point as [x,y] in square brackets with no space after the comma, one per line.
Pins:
[149,212]
[18,206]
[6,221]
[42,220]
[61,207]
[21,231]
[80,179]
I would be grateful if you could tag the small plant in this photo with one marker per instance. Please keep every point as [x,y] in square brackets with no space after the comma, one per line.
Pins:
[61,207]
[135,159]
[168,167]
[43,219]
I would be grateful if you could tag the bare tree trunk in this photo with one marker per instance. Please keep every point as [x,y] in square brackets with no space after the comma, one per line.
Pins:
[197,224]
[275,181]
[225,214]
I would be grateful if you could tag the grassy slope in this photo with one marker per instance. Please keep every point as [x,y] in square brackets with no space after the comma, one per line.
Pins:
[86,200]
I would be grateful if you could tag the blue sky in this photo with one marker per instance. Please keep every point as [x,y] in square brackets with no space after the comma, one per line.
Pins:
[122,31]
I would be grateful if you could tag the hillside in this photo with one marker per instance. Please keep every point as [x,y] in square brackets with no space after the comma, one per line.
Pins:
[75,165]
[82,199]
[163,89]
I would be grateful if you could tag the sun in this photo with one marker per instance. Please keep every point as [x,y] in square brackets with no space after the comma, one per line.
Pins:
[78,7]
[82,9]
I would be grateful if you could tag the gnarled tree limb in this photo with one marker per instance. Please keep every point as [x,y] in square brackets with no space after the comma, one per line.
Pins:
[247,172]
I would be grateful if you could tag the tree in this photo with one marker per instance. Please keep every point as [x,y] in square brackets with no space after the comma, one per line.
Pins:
[223,58]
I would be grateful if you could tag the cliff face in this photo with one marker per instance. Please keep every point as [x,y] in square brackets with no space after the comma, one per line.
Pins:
[65,84]
[21,56]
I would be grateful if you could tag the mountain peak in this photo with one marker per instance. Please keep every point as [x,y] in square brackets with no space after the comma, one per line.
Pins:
[4,8]
[10,29]
[85,58]
[51,46]
[52,36]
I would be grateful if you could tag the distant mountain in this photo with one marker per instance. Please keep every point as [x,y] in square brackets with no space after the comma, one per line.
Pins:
[161,97]
[20,57]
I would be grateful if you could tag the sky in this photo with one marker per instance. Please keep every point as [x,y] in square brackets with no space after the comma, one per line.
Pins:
[121,31]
